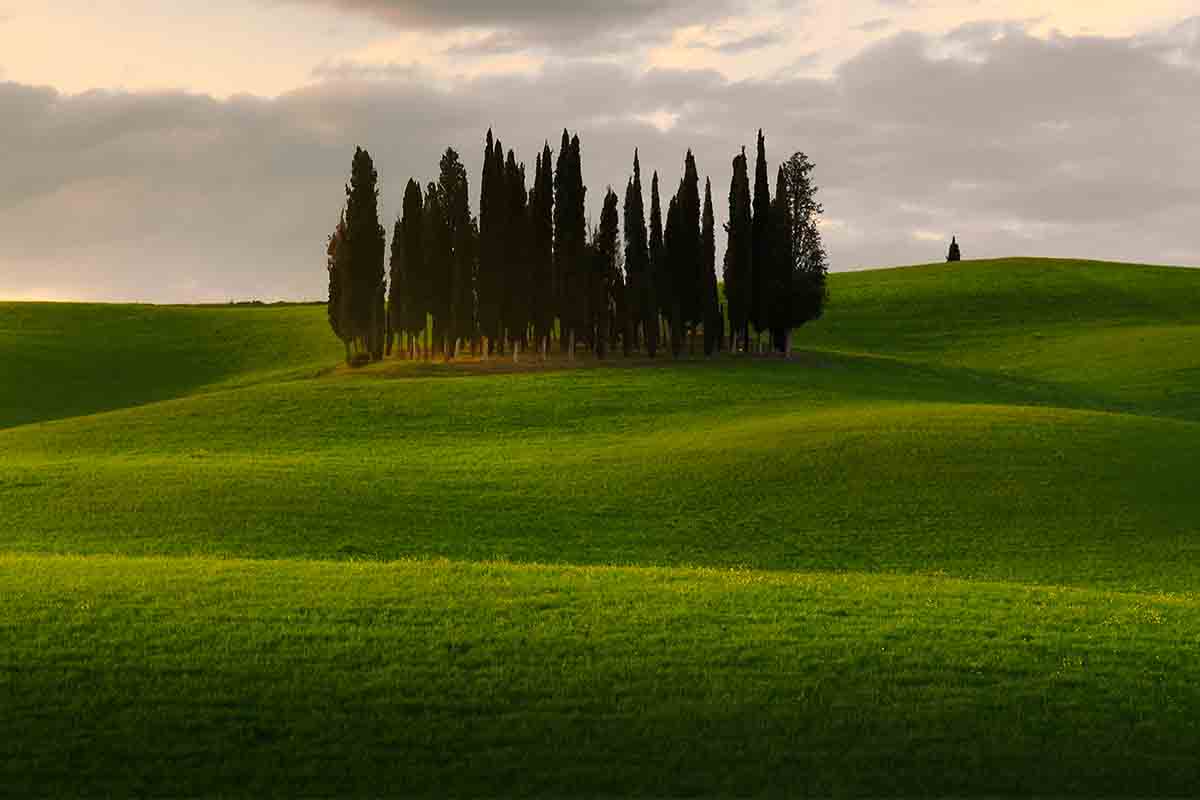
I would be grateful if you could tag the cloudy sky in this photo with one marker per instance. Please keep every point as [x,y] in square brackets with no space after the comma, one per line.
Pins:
[196,150]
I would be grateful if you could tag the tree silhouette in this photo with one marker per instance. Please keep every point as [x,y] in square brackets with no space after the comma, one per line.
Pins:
[366,240]
[638,287]
[761,259]
[714,324]
[541,238]
[337,263]
[457,298]
[570,241]
[675,252]
[491,232]
[687,280]
[739,253]
[955,253]
[810,291]
[782,268]
[437,267]
[517,278]
[408,249]
[658,274]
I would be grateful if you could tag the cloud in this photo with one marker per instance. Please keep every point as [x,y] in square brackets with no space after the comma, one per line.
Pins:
[553,22]
[874,25]
[744,44]
[1018,144]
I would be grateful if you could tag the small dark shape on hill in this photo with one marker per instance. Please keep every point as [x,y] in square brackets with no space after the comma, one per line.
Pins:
[955,254]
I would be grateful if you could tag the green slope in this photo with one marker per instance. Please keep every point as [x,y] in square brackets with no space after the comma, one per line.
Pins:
[61,360]
[1122,336]
[201,677]
[903,505]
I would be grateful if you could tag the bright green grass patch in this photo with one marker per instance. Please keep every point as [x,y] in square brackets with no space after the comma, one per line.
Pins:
[1128,336]
[62,359]
[184,677]
[767,465]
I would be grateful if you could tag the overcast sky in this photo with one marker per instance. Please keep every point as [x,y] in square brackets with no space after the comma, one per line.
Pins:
[196,151]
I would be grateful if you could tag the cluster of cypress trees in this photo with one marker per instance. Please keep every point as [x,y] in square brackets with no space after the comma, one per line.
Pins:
[775,265]
[528,268]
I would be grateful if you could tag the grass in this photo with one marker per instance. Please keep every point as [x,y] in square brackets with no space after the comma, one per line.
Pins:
[949,549]
[317,678]
[62,360]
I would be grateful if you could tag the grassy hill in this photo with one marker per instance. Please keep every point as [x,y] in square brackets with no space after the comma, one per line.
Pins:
[59,359]
[949,548]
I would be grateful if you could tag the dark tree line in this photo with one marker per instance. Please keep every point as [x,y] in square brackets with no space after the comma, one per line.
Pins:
[530,269]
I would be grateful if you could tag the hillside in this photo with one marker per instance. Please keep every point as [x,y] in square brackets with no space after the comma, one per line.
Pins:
[62,359]
[948,548]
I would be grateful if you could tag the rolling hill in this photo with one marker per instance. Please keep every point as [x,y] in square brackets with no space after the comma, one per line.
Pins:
[949,548]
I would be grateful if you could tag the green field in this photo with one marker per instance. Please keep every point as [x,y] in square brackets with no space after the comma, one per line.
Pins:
[950,548]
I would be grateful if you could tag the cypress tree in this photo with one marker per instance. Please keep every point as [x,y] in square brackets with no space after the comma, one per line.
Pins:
[579,215]
[783,264]
[809,290]
[955,253]
[638,287]
[739,253]
[367,243]
[491,229]
[606,274]
[673,253]
[414,289]
[399,287]
[437,266]
[688,280]
[562,233]
[458,303]
[337,258]
[541,235]
[714,324]
[516,272]
[570,232]
[762,232]
[657,282]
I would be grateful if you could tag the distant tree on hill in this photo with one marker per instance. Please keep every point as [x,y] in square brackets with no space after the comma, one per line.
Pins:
[955,254]
[366,240]
[739,254]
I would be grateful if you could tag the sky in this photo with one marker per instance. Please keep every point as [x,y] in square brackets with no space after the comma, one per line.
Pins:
[197,151]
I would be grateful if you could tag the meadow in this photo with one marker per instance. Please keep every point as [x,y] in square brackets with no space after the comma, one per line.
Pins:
[950,547]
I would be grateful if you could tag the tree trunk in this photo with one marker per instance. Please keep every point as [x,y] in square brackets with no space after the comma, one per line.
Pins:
[571,346]
[787,352]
